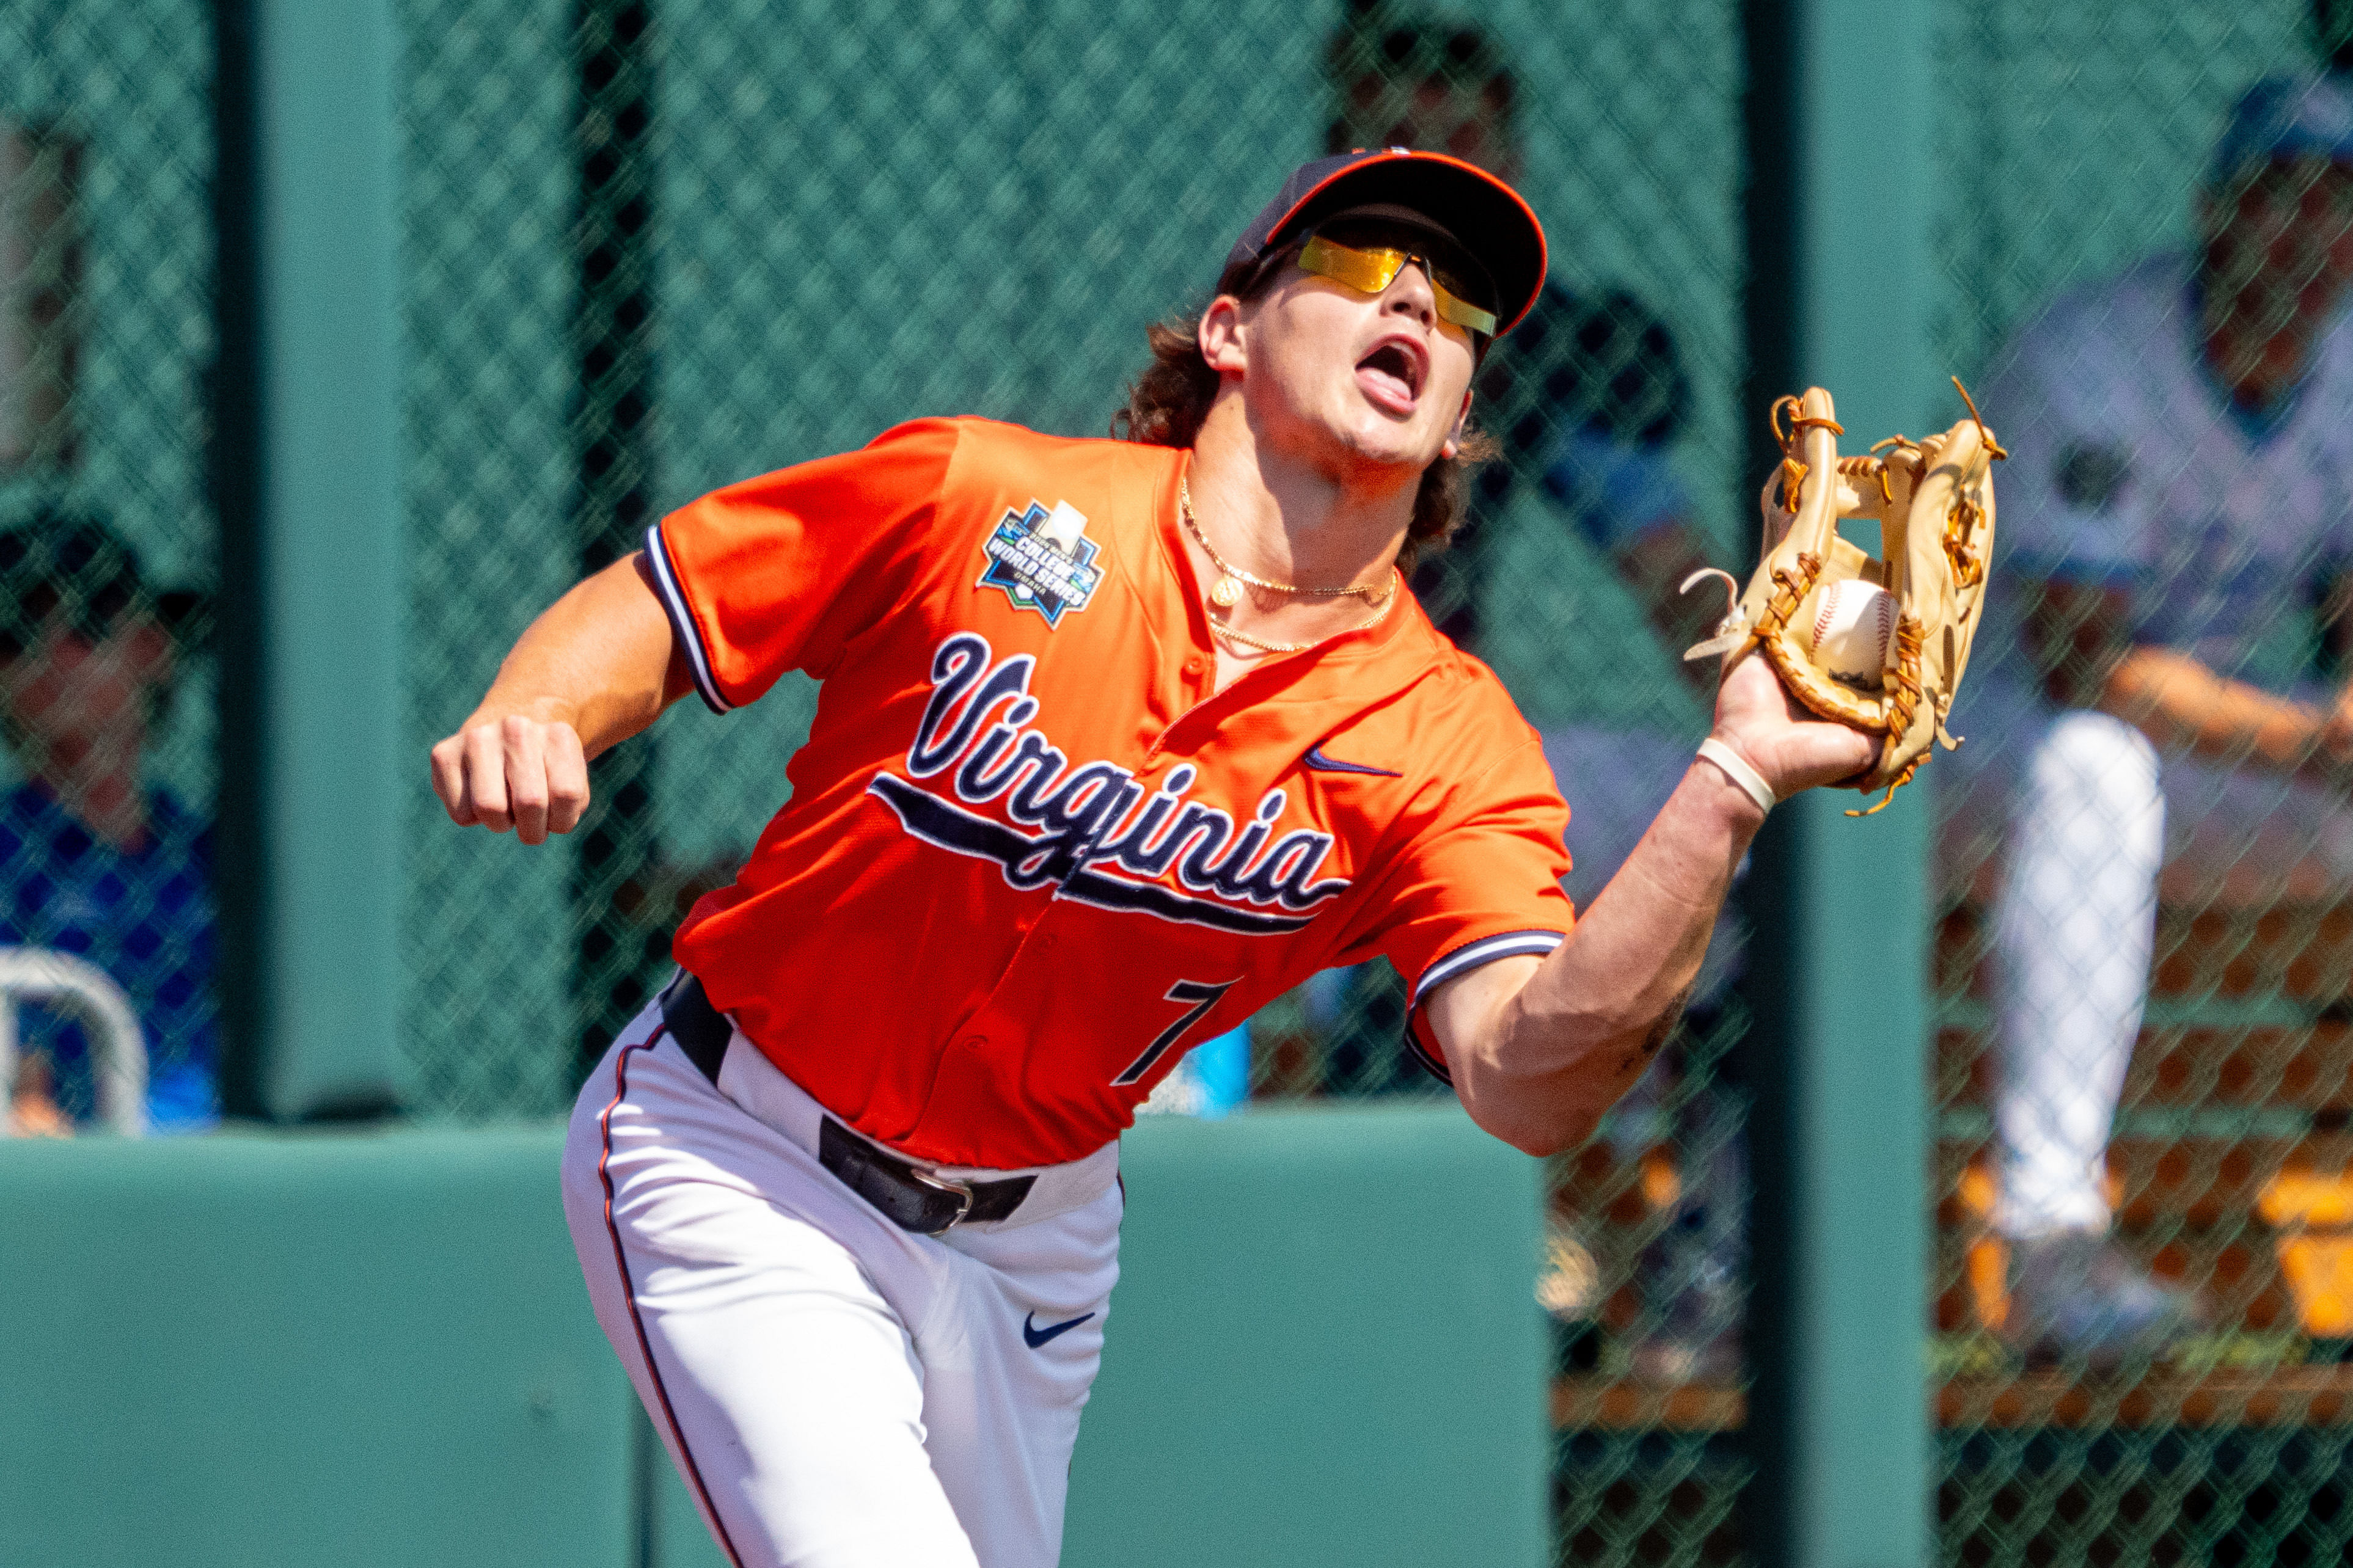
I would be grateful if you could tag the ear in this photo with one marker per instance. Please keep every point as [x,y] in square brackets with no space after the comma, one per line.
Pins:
[1461,419]
[1222,336]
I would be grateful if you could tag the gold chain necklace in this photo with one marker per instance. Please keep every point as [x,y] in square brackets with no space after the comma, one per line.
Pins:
[1264,645]
[1228,592]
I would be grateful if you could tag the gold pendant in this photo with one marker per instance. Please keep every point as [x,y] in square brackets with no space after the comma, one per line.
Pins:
[1227,593]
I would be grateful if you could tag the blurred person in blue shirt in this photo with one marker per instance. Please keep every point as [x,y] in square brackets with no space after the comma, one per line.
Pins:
[94,861]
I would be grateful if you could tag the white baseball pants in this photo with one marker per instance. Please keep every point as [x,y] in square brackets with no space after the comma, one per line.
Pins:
[2093,820]
[2074,923]
[836,1392]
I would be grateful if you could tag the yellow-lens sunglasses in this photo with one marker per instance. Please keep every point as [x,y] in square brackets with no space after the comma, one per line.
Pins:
[1370,270]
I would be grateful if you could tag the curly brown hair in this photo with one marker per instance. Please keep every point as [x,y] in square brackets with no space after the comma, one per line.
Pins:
[1166,403]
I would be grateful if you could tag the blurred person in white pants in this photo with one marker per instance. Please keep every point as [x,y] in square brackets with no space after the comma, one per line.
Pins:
[2181,487]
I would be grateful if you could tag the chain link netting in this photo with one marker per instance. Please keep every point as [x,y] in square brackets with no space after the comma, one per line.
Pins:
[2141,1072]
[648,249]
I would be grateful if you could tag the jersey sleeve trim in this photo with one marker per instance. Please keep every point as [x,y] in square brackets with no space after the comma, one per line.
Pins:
[1486,949]
[1431,1063]
[681,621]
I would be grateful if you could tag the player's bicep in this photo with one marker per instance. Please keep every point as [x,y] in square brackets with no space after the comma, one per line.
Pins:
[1467,1014]
[619,637]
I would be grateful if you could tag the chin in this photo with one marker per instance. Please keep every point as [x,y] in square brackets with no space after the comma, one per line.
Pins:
[1352,438]
[1393,449]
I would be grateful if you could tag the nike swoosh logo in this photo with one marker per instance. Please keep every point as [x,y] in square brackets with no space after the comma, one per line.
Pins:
[1034,1337]
[1317,760]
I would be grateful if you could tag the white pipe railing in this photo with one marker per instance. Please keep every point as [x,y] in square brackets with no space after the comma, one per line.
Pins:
[117,1048]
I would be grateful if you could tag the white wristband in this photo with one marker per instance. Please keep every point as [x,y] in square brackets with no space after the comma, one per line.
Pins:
[1739,768]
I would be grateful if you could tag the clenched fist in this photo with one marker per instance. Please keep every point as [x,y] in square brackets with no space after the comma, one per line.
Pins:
[514,771]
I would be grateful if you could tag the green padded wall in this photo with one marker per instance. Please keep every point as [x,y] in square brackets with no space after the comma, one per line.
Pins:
[371,1349]
[347,1348]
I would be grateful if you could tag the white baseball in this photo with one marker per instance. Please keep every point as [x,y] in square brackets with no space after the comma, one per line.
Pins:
[1848,627]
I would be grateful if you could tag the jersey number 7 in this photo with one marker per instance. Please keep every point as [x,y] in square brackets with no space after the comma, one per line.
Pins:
[1203,994]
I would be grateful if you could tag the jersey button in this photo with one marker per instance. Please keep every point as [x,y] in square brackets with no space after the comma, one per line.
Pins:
[1192,667]
[976,1042]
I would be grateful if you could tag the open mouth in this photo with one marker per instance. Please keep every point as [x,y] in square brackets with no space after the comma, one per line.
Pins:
[1391,374]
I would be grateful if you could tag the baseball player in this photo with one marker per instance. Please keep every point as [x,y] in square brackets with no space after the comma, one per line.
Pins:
[1118,740]
[2181,483]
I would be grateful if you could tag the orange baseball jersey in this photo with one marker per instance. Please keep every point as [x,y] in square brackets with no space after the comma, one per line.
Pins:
[1031,858]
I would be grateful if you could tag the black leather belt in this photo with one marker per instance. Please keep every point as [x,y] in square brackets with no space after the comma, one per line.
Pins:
[909,1196]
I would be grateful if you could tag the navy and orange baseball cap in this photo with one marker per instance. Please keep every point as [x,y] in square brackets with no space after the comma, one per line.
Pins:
[1470,207]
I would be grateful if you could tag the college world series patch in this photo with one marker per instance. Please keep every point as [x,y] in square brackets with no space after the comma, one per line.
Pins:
[1044,560]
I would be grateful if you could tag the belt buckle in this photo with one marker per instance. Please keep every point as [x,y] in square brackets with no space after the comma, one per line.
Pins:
[961,1190]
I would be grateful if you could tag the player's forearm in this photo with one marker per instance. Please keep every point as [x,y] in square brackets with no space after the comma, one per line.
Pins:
[2182,705]
[601,658]
[1547,1060]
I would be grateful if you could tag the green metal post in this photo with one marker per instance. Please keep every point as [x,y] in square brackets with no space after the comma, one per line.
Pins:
[1841,211]
[327,777]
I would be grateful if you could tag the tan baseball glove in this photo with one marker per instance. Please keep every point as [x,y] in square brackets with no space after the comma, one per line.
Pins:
[1879,643]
